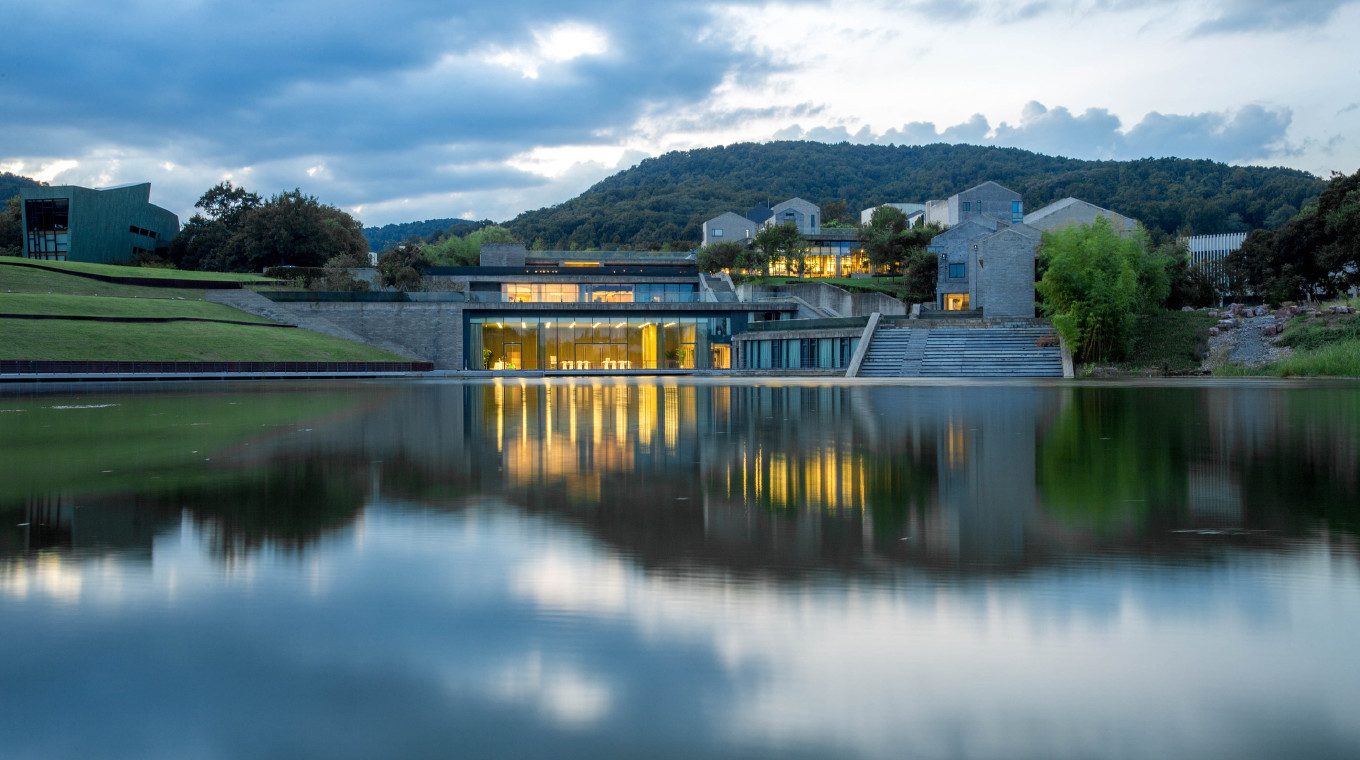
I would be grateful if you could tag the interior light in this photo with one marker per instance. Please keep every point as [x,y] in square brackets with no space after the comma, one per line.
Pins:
[498,324]
[522,324]
[548,325]
[669,324]
[619,324]
[597,324]
[573,324]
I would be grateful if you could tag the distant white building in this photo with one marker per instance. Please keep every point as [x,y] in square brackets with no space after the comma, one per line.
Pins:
[1208,252]
[910,209]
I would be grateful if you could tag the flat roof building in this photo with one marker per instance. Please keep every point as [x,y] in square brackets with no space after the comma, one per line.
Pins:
[107,226]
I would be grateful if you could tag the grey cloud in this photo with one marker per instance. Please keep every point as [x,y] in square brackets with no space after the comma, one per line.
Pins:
[1057,132]
[274,85]
[1251,133]
[1269,15]
[1348,109]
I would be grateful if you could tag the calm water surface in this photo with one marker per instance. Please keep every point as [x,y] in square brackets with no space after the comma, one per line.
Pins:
[680,569]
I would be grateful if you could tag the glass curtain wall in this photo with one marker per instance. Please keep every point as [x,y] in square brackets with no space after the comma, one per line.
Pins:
[566,342]
[799,353]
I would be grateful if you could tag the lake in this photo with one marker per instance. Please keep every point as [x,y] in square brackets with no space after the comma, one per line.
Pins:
[680,568]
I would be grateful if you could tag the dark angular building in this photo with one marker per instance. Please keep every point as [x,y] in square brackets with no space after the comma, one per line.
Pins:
[107,226]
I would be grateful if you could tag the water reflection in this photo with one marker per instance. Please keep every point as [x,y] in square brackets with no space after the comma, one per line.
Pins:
[682,568]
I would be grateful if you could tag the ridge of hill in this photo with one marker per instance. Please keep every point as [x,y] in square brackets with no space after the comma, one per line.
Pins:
[389,235]
[666,199]
[11,184]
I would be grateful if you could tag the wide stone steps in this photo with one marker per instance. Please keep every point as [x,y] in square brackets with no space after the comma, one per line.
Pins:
[1006,351]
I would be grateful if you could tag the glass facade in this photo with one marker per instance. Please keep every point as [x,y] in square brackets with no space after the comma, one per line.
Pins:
[48,232]
[824,258]
[551,292]
[798,353]
[579,341]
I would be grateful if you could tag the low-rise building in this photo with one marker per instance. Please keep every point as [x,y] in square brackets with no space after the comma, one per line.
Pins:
[729,227]
[109,225]
[1069,211]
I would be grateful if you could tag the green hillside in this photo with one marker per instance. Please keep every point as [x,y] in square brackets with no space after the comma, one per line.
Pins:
[668,198]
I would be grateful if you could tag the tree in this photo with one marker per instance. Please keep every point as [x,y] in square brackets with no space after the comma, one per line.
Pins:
[889,241]
[782,242]
[236,232]
[465,250]
[1314,254]
[837,214]
[402,267]
[718,256]
[1094,285]
[338,274]
[1339,209]
[11,227]
[922,273]
[882,239]
[1187,284]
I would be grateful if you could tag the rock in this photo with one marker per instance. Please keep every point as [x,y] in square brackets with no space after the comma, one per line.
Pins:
[1187,308]
[1213,331]
[1226,324]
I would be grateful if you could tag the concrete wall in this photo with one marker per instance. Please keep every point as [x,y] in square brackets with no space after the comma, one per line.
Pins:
[1002,267]
[503,254]
[426,331]
[867,214]
[836,301]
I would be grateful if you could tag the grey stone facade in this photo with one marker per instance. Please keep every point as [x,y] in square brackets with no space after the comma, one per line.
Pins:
[729,227]
[1068,211]
[1002,267]
[988,198]
[805,215]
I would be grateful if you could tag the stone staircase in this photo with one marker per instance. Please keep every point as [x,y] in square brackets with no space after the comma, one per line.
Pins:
[1001,351]
[720,288]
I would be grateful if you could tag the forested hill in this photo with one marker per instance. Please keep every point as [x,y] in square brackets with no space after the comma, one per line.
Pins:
[11,184]
[668,198]
[391,234]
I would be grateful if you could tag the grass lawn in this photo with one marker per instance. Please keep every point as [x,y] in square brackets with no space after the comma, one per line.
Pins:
[24,290]
[69,305]
[19,279]
[150,273]
[1170,341]
[176,341]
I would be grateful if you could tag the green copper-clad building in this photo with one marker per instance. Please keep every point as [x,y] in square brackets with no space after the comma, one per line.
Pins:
[109,226]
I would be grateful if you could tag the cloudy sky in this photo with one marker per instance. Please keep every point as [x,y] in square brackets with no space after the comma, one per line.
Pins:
[401,111]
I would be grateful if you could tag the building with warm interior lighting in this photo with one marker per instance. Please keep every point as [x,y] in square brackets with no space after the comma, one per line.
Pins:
[569,311]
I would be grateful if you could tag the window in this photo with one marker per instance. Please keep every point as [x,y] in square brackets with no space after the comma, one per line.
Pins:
[47,224]
[957,271]
[965,206]
[1017,212]
[717,232]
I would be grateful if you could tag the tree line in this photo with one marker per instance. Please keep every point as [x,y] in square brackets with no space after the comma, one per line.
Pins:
[664,201]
